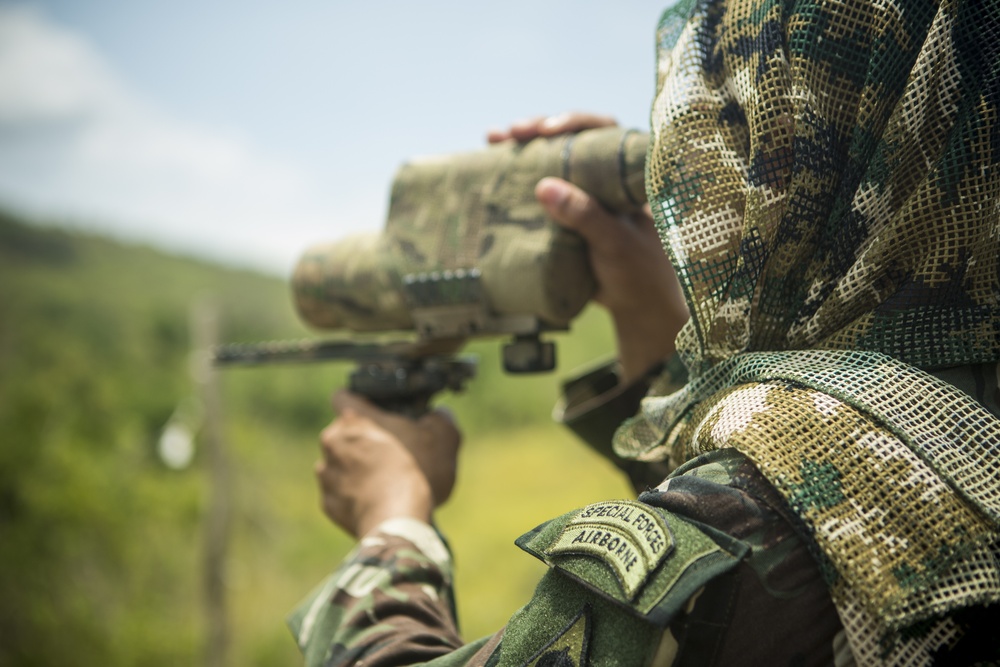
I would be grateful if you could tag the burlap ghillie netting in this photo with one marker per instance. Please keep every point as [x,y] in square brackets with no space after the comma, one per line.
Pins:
[825,178]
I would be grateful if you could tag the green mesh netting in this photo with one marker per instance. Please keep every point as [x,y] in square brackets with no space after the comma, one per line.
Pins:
[824,176]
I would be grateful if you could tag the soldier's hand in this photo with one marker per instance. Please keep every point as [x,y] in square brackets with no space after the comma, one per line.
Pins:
[636,281]
[550,126]
[376,465]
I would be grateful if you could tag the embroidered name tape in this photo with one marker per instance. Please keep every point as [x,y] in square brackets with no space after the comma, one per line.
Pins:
[629,537]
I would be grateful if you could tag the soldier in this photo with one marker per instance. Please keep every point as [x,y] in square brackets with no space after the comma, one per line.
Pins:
[824,439]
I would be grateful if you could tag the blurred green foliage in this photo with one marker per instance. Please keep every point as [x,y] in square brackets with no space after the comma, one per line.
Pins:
[101,558]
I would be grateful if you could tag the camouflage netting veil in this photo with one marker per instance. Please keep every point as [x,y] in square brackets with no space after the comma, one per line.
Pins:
[825,178]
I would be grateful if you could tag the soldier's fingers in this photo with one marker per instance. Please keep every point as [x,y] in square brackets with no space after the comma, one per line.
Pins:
[329,439]
[441,428]
[333,507]
[398,425]
[644,228]
[573,121]
[527,129]
[495,136]
[325,474]
[574,209]
[548,126]
[345,402]
[442,415]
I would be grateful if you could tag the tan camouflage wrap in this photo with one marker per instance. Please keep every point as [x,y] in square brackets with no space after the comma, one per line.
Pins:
[824,176]
[467,228]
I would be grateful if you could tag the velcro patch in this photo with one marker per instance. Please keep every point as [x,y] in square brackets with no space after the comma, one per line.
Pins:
[569,648]
[628,536]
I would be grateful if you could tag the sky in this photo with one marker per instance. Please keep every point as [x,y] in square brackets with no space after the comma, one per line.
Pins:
[243,131]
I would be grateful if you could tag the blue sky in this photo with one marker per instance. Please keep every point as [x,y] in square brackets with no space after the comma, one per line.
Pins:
[244,131]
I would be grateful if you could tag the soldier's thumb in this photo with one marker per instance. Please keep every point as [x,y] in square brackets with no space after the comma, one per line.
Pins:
[574,209]
[344,400]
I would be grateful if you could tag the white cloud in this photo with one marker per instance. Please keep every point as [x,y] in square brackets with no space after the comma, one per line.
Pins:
[74,141]
[49,74]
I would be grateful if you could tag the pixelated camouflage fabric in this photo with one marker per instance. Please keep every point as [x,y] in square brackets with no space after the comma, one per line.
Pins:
[389,603]
[824,177]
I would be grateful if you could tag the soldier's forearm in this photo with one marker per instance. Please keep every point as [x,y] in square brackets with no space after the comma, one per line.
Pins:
[390,600]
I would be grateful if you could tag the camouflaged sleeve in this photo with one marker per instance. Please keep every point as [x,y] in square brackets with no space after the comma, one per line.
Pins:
[706,569]
[390,602]
[594,404]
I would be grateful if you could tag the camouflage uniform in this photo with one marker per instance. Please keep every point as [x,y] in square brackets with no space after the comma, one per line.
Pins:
[390,602]
[728,552]
[825,177]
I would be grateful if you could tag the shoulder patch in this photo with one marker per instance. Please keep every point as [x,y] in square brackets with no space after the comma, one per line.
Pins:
[629,537]
[569,648]
[637,555]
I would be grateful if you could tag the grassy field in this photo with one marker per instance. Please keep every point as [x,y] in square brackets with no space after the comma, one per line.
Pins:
[103,545]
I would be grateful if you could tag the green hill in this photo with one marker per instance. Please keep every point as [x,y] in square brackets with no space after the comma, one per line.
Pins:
[102,558]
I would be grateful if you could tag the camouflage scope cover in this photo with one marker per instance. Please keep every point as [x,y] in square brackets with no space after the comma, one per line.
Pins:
[467,249]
